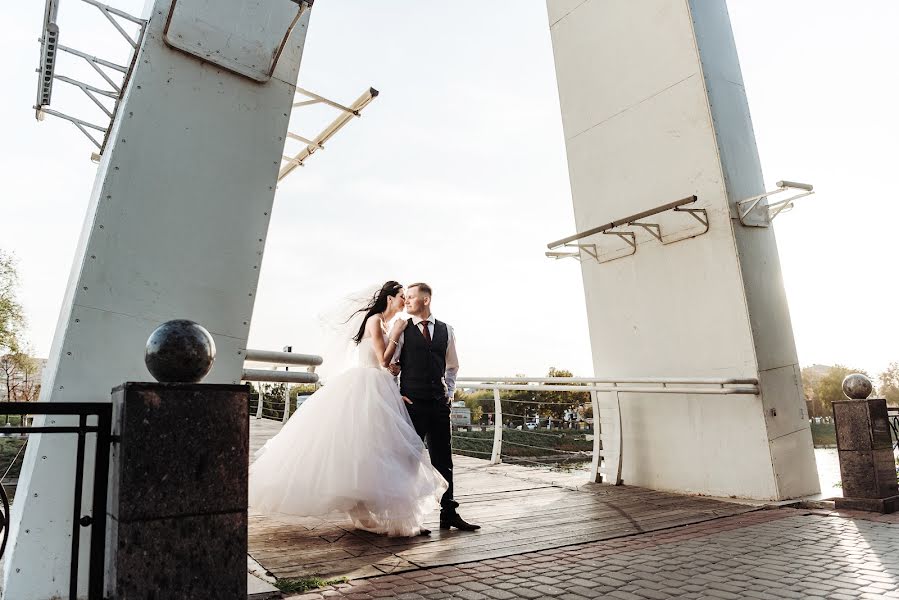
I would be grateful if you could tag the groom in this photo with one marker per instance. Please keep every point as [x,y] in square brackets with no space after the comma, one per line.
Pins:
[428,365]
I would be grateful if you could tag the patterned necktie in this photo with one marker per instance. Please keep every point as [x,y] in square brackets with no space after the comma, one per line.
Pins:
[425,332]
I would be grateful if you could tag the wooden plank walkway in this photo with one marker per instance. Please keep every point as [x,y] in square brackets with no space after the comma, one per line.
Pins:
[520,509]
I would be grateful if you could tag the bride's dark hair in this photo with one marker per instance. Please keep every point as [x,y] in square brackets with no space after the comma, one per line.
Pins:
[377,304]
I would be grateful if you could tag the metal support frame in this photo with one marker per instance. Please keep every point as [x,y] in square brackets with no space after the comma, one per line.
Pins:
[620,229]
[745,207]
[50,49]
[316,143]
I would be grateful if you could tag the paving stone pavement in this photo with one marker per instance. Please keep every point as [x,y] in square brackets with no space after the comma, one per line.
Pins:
[776,553]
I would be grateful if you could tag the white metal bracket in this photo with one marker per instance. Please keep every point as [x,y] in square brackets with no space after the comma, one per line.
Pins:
[558,255]
[623,228]
[607,440]
[745,207]
[50,49]
[311,145]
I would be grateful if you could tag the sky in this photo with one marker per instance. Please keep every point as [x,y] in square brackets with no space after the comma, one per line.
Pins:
[456,174]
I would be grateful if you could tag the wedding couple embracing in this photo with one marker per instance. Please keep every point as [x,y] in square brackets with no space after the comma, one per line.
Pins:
[356,446]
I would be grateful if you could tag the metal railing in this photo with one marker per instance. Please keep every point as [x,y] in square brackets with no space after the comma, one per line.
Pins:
[605,398]
[287,359]
[893,419]
[624,229]
[97,519]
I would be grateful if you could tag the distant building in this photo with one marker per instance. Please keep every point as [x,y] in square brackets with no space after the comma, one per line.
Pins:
[460,415]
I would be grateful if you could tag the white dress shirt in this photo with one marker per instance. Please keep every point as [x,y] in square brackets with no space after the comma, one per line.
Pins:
[452,359]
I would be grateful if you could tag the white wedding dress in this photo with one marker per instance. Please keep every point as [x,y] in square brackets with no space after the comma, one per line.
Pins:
[350,448]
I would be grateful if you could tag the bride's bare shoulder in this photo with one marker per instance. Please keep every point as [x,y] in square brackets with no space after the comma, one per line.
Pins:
[373,324]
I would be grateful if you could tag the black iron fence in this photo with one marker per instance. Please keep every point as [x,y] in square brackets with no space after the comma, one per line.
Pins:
[93,418]
[893,416]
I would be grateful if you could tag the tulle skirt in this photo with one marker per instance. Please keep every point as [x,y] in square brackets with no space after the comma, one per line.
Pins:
[350,448]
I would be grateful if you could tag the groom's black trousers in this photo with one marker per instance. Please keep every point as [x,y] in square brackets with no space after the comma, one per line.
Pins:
[431,419]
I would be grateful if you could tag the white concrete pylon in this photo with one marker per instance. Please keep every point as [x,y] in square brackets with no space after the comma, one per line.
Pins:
[654,109]
[175,228]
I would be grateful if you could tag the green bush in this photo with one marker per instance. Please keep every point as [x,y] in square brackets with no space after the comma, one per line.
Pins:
[9,448]
[823,434]
[524,444]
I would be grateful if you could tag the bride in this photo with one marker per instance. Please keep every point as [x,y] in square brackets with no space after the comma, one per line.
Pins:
[351,446]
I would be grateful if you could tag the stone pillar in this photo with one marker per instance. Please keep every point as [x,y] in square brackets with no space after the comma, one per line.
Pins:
[867,465]
[178,492]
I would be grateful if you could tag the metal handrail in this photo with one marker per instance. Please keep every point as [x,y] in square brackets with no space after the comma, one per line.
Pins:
[277,376]
[282,358]
[725,391]
[270,376]
[624,221]
[678,380]
[607,445]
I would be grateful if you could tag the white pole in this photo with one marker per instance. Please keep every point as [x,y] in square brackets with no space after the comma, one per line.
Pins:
[286,414]
[496,457]
[595,476]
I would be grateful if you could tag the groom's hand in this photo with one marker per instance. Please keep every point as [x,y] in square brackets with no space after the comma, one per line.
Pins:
[394,369]
[406,400]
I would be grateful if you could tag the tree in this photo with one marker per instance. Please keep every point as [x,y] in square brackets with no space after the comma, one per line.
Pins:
[478,402]
[889,384]
[30,388]
[558,403]
[19,378]
[301,389]
[810,379]
[520,405]
[9,370]
[829,388]
[12,318]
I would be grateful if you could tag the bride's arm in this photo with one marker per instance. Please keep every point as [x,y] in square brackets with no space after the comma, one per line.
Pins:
[393,341]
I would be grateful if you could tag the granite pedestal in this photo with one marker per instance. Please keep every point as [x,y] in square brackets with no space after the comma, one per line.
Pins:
[178,492]
[867,466]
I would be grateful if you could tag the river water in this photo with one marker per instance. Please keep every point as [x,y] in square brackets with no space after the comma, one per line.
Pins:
[828,471]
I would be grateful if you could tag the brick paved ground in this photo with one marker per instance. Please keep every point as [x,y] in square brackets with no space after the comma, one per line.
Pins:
[779,553]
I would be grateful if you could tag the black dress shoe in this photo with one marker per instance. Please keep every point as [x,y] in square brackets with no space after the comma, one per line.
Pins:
[424,531]
[454,520]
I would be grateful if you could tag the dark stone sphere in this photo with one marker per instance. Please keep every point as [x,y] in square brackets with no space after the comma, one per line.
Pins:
[857,386]
[180,351]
